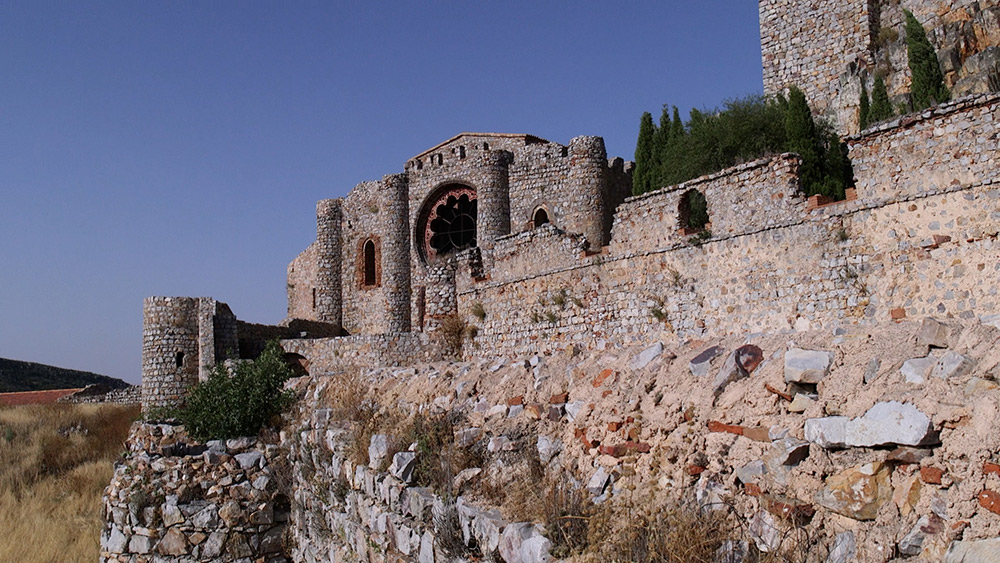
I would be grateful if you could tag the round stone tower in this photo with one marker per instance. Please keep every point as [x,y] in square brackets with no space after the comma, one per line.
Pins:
[493,193]
[396,252]
[169,350]
[329,298]
[588,175]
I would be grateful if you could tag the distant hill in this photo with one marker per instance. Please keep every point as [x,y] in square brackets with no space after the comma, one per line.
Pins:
[16,375]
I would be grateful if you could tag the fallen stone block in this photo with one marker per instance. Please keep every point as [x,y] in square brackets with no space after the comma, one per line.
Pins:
[788,451]
[906,454]
[765,532]
[807,366]
[249,459]
[916,370]
[952,364]
[889,423]
[646,356]
[523,542]
[800,403]
[599,481]
[933,333]
[828,432]
[789,509]
[751,472]
[731,371]
[857,492]
[548,448]
[700,364]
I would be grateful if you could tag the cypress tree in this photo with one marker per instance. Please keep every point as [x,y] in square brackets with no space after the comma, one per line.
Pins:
[880,109]
[641,177]
[865,108]
[676,126]
[801,138]
[927,86]
[661,147]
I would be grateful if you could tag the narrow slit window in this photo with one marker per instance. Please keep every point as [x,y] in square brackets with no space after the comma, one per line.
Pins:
[369,262]
[179,359]
[314,298]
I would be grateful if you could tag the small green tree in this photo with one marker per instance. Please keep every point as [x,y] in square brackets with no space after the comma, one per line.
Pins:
[881,108]
[241,403]
[661,148]
[642,176]
[927,87]
[865,108]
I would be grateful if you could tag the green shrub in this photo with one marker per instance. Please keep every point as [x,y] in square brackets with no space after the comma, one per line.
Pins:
[241,403]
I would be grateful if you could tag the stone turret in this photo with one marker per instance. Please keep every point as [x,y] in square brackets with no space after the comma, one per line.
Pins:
[396,253]
[588,175]
[328,297]
[169,349]
[493,220]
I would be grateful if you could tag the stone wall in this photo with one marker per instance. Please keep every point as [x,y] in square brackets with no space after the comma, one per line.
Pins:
[336,355]
[830,49]
[172,499]
[99,394]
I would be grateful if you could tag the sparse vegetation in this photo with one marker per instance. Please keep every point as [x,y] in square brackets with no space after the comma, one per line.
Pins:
[55,461]
[453,333]
[478,311]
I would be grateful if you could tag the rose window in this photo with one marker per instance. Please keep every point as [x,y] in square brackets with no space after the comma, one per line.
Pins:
[449,222]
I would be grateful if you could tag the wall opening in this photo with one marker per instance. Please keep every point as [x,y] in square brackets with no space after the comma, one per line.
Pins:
[693,212]
[314,298]
[447,221]
[540,217]
[369,262]
[179,359]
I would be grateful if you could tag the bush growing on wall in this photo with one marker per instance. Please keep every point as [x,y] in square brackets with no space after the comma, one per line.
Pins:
[241,403]
[746,129]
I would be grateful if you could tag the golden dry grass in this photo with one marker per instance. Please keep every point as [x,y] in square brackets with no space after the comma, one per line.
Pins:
[55,461]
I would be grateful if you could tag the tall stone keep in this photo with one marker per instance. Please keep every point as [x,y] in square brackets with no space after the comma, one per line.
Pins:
[493,214]
[329,297]
[396,253]
[588,175]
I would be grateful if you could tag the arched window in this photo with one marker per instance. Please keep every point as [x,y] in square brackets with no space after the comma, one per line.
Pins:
[540,217]
[693,212]
[370,273]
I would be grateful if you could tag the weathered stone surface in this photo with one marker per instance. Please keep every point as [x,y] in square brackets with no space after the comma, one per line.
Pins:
[138,544]
[974,551]
[952,364]
[646,356]
[764,531]
[116,541]
[598,481]
[731,371]
[403,464]
[829,432]
[911,543]
[700,364]
[907,454]
[173,543]
[800,403]
[213,545]
[516,545]
[844,548]
[889,423]
[548,448]
[871,370]
[788,451]
[916,370]
[807,366]
[464,476]
[857,492]
[468,436]
[933,333]
[250,459]
[751,472]
[378,449]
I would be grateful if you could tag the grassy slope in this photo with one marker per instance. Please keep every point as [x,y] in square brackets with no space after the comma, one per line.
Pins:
[51,483]
[16,375]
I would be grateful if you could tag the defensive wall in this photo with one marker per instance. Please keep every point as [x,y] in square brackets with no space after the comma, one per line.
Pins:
[919,238]
[830,48]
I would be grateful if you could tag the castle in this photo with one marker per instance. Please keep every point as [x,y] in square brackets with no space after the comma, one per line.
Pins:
[536,246]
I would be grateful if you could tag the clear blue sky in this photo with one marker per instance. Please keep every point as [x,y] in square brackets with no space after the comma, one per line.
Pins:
[179,148]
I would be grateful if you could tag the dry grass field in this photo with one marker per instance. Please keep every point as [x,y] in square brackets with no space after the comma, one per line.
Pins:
[55,461]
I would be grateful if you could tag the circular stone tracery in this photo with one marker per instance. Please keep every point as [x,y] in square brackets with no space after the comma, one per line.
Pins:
[449,221]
